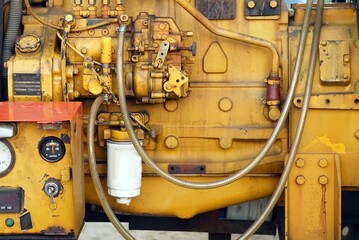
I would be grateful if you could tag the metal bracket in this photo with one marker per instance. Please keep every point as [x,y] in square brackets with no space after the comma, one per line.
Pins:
[331,101]
[162,54]
[175,81]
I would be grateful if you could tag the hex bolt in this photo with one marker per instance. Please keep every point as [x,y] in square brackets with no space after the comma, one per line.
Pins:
[323,180]
[346,59]
[300,162]
[300,180]
[323,163]
[251,4]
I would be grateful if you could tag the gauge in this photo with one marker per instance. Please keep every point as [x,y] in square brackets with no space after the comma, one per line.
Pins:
[52,149]
[7,157]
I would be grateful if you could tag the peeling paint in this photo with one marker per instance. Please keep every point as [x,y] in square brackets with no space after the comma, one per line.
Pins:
[325,140]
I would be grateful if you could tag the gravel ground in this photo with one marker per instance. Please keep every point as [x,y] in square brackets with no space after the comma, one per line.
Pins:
[105,231]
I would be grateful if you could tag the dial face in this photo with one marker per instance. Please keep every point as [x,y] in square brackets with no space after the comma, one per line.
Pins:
[52,149]
[7,157]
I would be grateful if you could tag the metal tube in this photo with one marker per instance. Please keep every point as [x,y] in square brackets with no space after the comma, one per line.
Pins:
[298,135]
[94,173]
[234,35]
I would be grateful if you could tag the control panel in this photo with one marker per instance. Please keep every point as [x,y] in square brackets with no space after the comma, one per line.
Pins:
[41,171]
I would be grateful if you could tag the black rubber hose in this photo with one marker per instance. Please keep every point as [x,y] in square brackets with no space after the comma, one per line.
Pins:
[1,44]
[9,41]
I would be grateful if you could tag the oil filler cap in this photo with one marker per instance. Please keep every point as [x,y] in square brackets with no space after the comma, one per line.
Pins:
[28,43]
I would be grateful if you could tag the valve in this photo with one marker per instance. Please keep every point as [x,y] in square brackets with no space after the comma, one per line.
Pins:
[52,188]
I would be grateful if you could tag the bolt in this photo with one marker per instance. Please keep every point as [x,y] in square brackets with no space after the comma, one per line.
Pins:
[84,50]
[345,76]
[324,43]
[300,162]
[168,86]
[251,4]
[346,59]
[69,18]
[323,180]
[273,4]
[300,180]
[323,163]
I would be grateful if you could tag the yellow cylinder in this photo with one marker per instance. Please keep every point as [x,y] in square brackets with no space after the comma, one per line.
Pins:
[106,50]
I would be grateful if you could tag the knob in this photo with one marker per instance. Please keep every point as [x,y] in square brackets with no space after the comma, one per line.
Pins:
[52,188]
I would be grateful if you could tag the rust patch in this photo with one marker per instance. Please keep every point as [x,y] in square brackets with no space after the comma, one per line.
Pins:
[323,213]
[217,9]
[54,230]
[186,169]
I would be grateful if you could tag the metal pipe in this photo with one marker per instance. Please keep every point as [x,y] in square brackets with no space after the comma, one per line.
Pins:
[189,184]
[298,135]
[94,173]
[97,25]
[234,35]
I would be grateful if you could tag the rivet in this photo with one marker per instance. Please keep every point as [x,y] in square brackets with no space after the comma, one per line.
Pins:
[323,163]
[300,162]
[300,180]
[323,180]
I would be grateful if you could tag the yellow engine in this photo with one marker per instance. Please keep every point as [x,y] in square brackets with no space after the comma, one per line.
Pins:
[188,107]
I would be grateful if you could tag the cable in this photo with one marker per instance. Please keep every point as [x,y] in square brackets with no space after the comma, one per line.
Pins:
[199,185]
[94,173]
[97,25]
[278,191]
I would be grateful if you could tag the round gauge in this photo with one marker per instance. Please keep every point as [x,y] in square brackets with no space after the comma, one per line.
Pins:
[52,149]
[7,157]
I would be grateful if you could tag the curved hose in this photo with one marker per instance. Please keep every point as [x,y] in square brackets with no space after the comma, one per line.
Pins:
[234,35]
[298,135]
[218,183]
[34,15]
[94,173]
[10,38]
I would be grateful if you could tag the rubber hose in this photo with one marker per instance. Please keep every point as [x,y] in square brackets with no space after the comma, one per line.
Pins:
[299,132]
[94,173]
[1,45]
[200,185]
[9,41]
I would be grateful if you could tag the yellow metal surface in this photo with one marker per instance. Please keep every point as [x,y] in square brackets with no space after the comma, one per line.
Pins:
[313,195]
[65,215]
[172,200]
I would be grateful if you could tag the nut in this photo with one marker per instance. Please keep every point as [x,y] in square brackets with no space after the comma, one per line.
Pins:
[323,163]
[300,180]
[251,4]
[273,4]
[300,162]
[323,180]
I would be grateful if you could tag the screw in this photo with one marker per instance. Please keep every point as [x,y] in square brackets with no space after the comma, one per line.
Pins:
[346,58]
[324,43]
[345,76]
[300,180]
[168,86]
[323,180]
[323,163]
[300,162]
